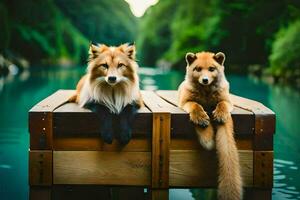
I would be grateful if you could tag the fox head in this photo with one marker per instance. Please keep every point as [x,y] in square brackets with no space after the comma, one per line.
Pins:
[204,68]
[112,65]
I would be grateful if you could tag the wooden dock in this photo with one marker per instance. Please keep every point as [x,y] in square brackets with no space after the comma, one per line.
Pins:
[66,150]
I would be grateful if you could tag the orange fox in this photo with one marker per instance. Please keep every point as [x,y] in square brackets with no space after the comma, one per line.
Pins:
[111,86]
[204,94]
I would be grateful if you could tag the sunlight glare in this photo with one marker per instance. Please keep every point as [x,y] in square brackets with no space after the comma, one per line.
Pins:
[139,7]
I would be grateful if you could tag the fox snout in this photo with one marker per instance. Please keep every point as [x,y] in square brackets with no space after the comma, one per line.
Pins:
[112,79]
[205,80]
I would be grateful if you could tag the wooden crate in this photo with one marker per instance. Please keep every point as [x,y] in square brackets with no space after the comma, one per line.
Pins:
[66,148]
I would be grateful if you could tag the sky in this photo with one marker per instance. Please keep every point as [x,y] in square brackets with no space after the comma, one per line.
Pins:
[138,7]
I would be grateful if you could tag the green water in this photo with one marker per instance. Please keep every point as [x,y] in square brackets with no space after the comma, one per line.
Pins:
[18,94]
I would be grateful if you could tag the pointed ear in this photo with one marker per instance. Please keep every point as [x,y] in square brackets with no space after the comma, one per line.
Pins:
[190,58]
[129,50]
[220,58]
[96,49]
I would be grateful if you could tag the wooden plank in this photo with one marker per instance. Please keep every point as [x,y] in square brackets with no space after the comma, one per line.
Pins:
[95,143]
[40,128]
[257,193]
[242,142]
[53,101]
[157,104]
[160,150]
[264,122]
[190,168]
[263,169]
[73,121]
[159,194]
[39,193]
[40,168]
[101,168]
[243,119]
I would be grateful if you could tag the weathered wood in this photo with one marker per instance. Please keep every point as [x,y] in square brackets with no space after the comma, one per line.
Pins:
[40,193]
[95,143]
[257,194]
[160,150]
[40,119]
[242,142]
[53,101]
[243,119]
[263,169]
[40,168]
[159,194]
[192,168]
[102,168]
[40,128]
[264,122]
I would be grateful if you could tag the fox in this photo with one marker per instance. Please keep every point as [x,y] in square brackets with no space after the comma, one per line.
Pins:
[204,95]
[111,89]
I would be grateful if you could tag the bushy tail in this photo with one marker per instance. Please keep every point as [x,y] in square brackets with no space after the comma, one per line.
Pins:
[230,182]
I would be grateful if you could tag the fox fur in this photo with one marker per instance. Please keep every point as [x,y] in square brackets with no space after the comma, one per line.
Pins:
[111,88]
[105,62]
[204,94]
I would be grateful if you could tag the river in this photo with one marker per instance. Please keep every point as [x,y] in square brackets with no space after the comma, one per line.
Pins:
[19,93]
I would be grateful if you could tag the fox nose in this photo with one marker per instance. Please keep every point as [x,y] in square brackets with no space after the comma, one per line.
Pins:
[205,80]
[112,79]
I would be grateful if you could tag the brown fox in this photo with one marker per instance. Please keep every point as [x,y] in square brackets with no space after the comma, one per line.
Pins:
[111,86]
[204,94]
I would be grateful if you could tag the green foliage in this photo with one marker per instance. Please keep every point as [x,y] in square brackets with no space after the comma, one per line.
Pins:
[285,59]
[243,29]
[55,31]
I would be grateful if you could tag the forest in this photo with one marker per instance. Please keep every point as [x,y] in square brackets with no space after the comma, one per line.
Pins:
[261,37]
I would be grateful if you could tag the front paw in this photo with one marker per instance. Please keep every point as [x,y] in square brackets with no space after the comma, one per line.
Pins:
[107,136]
[200,118]
[125,136]
[220,116]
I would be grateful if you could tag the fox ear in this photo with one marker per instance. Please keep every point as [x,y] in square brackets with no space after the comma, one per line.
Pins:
[96,49]
[129,50]
[220,58]
[190,58]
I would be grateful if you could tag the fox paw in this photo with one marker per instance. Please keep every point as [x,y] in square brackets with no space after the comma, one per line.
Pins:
[200,118]
[107,137]
[125,136]
[220,116]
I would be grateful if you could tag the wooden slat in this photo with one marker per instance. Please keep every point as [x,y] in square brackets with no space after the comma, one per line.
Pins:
[243,119]
[159,194]
[101,168]
[40,193]
[40,119]
[53,101]
[257,193]
[40,128]
[242,142]
[160,150]
[191,168]
[263,169]
[71,120]
[95,143]
[40,168]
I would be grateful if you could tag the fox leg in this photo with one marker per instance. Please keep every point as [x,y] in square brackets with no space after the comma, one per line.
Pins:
[126,118]
[197,114]
[106,119]
[206,136]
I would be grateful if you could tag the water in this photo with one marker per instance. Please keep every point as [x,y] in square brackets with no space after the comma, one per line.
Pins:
[18,94]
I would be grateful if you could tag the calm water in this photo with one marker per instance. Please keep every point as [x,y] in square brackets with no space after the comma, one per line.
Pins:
[19,94]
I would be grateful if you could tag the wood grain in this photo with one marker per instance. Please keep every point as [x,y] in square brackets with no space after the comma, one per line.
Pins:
[101,168]
[192,168]
[160,150]
[40,168]
[263,169]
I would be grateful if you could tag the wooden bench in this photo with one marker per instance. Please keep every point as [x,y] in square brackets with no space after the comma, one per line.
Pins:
[66,150]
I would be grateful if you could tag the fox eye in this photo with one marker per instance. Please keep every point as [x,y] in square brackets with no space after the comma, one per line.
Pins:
[211,69]
[198,69]
[104,65]
[121,65]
